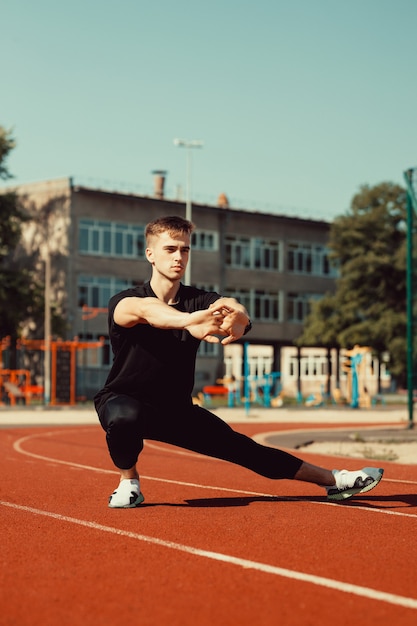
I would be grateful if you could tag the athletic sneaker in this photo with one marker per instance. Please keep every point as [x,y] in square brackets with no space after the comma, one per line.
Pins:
[349,484]
[127,495]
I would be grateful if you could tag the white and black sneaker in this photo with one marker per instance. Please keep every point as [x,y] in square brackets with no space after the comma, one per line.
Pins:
[348,484]
[127,495]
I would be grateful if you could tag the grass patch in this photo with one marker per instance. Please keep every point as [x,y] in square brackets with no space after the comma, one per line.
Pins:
[379,455]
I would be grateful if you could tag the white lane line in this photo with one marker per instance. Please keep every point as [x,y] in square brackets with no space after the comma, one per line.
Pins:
[337,585]
[18,448]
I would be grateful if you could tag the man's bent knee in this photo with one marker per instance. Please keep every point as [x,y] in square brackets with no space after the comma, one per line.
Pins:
[120,411]
[121,421]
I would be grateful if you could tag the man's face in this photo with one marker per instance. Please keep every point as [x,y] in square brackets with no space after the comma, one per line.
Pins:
[168,254]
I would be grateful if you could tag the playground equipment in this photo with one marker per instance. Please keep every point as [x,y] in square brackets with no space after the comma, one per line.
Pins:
[315,399]
[16,387]
[223,388]
[356,364]
[256,389]
[264,389]
[63,366]
[15,384]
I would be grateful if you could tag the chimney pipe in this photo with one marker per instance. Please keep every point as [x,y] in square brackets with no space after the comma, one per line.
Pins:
[223,201]
[159,183]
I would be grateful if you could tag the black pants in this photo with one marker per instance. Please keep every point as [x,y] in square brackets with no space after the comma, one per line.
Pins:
[128,422]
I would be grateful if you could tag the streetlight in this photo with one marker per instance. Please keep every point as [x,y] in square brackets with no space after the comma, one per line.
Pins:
[46,250]
[188,144]
[410,177]
[47,326]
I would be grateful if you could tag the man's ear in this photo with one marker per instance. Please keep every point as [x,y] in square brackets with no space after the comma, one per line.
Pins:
[149,254]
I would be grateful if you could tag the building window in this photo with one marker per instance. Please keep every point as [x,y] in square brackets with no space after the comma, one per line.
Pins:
[262,306]
[267,306]
[252,253]
[311,259]
[96,291]
[265,254]
[244,296]
[111,238]
[205,240]
[237,251]
[311,366]
[299,305]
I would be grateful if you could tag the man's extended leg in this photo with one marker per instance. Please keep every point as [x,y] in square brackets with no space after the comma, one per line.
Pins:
[201,431]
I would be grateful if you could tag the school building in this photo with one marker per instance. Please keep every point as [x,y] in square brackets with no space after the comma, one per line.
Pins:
[93,241]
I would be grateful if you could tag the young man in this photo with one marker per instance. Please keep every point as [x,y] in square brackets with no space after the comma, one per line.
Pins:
[155,331]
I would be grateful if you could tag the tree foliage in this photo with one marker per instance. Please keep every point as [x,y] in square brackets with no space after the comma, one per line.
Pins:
[20,295]
[7,144]
[368,245]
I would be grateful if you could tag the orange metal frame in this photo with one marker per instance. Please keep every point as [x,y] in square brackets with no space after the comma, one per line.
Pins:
[72,347]
[14,377]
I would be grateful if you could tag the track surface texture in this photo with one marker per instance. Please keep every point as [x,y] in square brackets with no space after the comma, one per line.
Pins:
[212,544]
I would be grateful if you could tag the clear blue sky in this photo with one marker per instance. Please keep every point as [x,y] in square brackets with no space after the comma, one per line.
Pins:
[298,102]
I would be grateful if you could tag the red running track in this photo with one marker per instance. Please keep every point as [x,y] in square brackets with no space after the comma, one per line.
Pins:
[213,543]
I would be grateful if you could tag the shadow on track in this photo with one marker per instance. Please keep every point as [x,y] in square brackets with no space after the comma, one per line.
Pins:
[397,501]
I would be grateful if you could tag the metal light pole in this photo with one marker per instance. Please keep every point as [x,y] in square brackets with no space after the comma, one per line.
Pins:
[411,211]
[49,234]
[47,330]
[188,144]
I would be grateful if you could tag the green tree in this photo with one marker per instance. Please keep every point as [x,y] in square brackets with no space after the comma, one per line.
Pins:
[368,245]
[20,295]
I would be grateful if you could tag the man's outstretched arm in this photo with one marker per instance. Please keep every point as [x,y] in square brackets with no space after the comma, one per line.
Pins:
[204,324]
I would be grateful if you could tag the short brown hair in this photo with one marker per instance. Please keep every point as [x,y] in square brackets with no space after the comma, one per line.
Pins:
[169,223]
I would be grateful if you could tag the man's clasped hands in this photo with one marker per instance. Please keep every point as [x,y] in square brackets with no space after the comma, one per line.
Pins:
[224,318]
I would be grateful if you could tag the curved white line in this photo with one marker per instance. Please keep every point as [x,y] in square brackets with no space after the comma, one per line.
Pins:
[18,448]
[357,590]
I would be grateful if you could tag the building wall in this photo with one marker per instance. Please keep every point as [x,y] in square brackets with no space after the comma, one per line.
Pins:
[209,268]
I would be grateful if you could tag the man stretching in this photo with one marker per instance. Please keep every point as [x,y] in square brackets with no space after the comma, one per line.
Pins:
[155,330]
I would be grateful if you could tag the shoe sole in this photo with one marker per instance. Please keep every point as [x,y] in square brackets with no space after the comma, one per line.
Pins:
[133,505]
[345,495]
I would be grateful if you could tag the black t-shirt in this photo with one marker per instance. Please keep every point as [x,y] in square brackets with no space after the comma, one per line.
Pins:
[154,365]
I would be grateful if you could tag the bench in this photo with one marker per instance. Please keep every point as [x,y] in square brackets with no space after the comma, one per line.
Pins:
[215,390]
